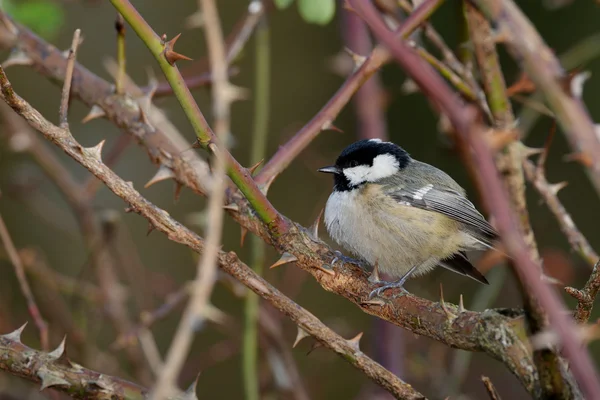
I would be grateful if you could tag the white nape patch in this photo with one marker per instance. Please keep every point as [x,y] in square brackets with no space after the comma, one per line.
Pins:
[375,140]
[384,165]
[422,192]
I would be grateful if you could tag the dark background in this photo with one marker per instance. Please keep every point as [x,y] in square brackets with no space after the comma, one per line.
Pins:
[301,83]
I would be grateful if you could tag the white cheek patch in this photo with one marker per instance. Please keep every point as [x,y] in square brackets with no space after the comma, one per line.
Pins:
[384,165]
[357,175]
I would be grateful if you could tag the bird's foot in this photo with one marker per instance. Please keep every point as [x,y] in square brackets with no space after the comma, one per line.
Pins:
[390,285]
[387,285]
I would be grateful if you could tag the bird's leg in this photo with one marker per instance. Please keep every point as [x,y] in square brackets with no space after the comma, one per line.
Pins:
[390,285]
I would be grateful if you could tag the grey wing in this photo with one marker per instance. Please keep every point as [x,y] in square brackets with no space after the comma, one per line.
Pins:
[448,202]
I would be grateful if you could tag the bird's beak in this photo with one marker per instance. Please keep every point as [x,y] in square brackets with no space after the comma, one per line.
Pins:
[330,170]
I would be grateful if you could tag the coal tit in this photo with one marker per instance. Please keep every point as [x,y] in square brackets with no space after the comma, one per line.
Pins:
[401,215]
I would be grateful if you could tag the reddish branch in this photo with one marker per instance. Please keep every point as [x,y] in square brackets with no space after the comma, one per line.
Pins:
[470,132]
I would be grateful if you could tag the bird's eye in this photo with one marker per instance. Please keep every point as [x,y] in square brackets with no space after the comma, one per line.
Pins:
[353,163]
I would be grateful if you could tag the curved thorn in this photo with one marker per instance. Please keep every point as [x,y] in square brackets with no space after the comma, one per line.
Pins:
[162,174]
[95,112]
[95,151]
[299,336]
[355,342]
[17,57]
[285,259]
[15,335]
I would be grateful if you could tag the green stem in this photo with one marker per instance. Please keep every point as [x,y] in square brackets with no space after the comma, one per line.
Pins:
[238,174]
[260,134]
[121,60]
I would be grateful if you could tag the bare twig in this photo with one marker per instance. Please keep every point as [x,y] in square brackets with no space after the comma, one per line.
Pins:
[470,133]
[549,193]
[32,307]
[586,296]
[90,159]
[64,101]
[490,388]
[207,266]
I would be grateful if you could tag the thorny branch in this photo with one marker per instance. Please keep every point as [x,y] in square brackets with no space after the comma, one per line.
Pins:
[466,330]
[90,158]
[470,133]
[587,295]
[509,163]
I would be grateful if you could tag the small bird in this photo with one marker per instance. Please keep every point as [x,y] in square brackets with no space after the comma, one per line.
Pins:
[402,216]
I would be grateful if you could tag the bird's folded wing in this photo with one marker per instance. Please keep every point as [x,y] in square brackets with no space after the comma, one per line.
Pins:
[448,202]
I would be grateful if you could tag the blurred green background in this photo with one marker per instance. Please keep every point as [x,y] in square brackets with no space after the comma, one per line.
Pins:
[302,81]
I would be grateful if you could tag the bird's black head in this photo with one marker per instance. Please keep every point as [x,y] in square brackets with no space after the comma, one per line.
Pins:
[368,160]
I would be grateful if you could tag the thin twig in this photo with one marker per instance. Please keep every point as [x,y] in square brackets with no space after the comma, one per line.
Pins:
[207,265]
[260,131]
[64,101]
[586,296]
[90,159]
[489,387]
[470,133]
[32,307]
[549,192]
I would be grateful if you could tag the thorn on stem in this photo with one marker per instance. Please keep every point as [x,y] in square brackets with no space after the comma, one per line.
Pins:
[162,174]
[355,342]
[299,336]
[95,112]
[285,259]
[15,335]
[17,57]
[95,151]
[243,233]
[172,56]
[314,228]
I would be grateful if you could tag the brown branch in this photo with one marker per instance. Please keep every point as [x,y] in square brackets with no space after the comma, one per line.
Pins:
[17,263]
[66,91]
[90,158]
[586,296]
[544,69]
[56,371]
[470,133]
[549,193]
[468,331]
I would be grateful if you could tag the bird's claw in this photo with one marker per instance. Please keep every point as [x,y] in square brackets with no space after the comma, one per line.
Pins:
[379,291]
[345,259]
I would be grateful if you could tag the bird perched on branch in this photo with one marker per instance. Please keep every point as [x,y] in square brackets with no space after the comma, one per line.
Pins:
[402,216]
